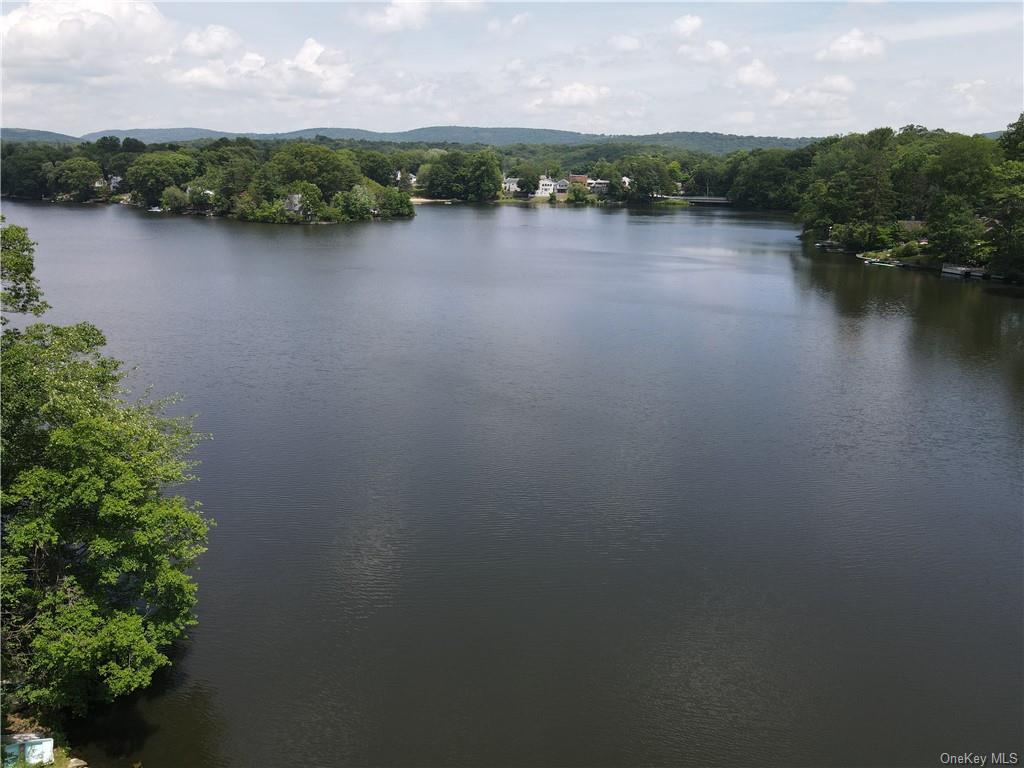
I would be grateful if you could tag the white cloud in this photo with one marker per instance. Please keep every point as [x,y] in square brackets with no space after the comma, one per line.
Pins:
[713,51]
[831,91]
[971,96]
[397,15]
[89,36]
[852,46]
[314,72]
[571,95]
[536,83]
[625,43]
[211,42]
[509,27]
[686,25]
[837,84]
[756,75]
[82,66]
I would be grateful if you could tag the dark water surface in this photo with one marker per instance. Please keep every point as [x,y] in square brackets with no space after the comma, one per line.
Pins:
[545,487]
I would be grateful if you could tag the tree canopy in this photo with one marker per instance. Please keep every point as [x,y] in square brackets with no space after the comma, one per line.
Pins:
[21,292]
[151,173]
[96,550]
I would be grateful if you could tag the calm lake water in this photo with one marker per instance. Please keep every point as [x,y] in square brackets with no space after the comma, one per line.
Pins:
[531,487]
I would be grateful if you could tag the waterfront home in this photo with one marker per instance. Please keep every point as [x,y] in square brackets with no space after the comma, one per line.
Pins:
[545,186]
[293,203]
[562,186]
[510,185]
[598,186]
[579,178]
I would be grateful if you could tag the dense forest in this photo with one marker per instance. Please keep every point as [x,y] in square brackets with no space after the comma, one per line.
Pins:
[297,181]
[912,193]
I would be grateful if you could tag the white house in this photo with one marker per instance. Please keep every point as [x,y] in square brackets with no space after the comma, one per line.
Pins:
[545,187]
[509,185]
[562,186]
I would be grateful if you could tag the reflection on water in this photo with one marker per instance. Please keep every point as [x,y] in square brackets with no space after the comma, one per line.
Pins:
[117,734]
[530,487]
[982,323]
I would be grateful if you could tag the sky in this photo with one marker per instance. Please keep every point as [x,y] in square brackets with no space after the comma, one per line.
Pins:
[783,69]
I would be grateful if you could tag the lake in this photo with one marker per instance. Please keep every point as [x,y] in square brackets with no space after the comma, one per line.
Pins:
[503,486]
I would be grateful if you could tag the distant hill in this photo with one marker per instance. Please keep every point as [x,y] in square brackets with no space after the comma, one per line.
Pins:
[456,134]
[160,135]
[697,141]
[718,143]
[28,134]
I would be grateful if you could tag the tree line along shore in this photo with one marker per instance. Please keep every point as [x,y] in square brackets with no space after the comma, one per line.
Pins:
[918,195]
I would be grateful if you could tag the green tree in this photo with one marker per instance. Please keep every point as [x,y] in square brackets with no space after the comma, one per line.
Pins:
[675,171]
[393,202]
[378,167]
[108,145]
[328,170]
[77,177]
[911,185]
[482,176]
[445,176]
[648,177]
[174,199]
[765,180]
[128,144]
[94,582]
[21,292]
[963,166]
[1006,219]
[358,204]
[578,194]
[152,172]
[22,172]
[529,179]
[602,169]
[954,232]
[1012,140]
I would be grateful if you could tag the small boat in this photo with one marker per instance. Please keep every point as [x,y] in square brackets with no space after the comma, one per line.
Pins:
[156,209]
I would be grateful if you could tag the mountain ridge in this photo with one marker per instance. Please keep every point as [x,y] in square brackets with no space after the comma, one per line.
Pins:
[699,141]
[706,141]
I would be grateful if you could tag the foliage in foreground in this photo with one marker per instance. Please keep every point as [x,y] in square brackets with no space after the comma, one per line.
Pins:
[94,584]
